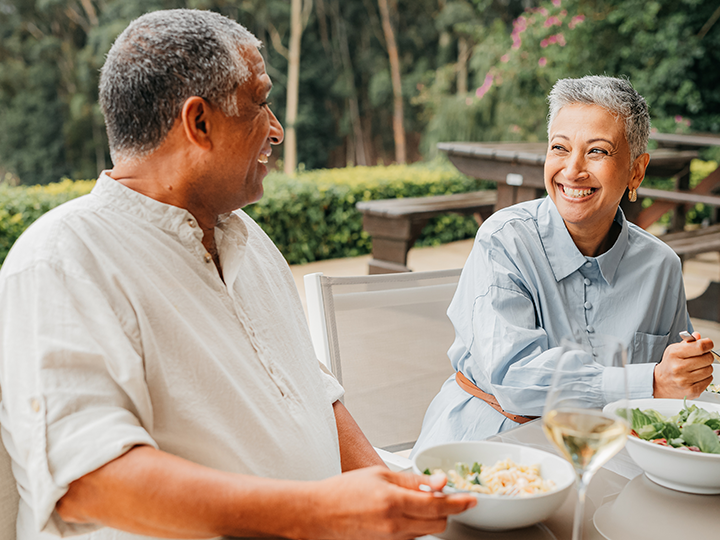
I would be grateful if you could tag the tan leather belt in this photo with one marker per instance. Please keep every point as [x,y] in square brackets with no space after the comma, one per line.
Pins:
[470,388]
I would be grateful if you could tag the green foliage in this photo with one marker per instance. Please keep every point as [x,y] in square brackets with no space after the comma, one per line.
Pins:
[667,48]
[20,206]
[51,52]
[309,217]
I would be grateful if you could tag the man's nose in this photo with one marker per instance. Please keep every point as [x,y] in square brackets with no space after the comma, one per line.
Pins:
[276,130]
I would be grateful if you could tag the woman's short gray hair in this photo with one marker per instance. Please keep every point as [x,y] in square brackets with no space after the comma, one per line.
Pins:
[157,63]
[614,95]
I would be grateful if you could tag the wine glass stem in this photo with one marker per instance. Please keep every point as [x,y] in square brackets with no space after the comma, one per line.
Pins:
[579,520]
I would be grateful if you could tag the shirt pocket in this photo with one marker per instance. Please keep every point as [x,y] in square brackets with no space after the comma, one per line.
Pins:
[648,347]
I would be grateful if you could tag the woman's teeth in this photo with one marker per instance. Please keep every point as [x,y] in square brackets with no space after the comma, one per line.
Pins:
[577,193]
[263,158]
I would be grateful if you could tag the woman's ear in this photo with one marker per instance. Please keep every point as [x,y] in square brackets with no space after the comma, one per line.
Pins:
[637,173]
[195,117]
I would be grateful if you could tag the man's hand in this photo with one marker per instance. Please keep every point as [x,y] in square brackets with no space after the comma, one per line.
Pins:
[377,503]
[685,370]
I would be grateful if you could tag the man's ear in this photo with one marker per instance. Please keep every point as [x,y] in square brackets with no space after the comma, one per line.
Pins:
[638,170]
[195,118]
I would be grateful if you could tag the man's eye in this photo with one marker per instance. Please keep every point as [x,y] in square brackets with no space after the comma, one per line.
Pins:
[557,147]
[266,103]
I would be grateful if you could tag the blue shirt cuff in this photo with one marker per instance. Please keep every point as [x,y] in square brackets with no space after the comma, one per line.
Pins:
[639,381]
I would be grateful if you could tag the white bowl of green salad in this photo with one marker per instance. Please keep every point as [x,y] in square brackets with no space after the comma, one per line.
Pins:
[516,486]
[676,442]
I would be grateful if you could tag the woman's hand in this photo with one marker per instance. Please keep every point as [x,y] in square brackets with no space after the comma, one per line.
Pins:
[685,370]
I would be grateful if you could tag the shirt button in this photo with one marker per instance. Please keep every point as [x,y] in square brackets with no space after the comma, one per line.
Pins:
[191,223]
[590,329]
[35,404]
[208,258]
[588,264]
[587,305]
[587,282]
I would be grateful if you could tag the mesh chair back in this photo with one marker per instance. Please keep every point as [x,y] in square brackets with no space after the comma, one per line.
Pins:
[9,498]
[388,337]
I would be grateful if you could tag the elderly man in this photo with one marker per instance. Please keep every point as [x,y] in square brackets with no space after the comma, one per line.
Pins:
[157,373]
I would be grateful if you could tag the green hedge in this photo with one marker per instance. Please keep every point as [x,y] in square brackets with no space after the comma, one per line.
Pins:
[313,216]
[310,217]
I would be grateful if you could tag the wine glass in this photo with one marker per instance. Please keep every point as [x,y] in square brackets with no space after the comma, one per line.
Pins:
[589,374]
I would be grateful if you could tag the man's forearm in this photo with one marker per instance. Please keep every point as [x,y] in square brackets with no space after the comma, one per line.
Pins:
[149,492]
[356,451]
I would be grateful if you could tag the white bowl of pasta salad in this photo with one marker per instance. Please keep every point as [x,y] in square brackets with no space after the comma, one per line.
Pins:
[516,486]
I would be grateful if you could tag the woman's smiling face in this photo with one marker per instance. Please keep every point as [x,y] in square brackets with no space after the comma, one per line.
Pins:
[588,168]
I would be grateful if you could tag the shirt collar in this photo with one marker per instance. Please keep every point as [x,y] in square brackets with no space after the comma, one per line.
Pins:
[610,260]
[163,216]
[562,253]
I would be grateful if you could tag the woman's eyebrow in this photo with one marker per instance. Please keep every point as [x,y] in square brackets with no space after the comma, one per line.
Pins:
[611,143]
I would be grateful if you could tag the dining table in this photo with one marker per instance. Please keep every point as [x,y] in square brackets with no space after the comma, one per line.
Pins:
[621,504]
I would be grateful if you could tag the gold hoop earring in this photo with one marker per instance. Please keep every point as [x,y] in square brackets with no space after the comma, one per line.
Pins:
[632,195]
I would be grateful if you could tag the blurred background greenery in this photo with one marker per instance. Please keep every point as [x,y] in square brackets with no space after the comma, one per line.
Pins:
[465,70]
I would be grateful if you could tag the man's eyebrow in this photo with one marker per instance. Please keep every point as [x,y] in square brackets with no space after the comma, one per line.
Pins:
[560,136]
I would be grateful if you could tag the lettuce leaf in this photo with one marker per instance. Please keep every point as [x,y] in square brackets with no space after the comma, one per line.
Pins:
[639,418]
[659,430]
[701,436]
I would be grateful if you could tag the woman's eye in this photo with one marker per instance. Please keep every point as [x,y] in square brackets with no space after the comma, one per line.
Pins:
[599,151]
[557,147]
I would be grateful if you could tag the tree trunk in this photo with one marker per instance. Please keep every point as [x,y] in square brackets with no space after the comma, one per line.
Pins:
[356,147]
[462,70]
[398,114]
[290,144]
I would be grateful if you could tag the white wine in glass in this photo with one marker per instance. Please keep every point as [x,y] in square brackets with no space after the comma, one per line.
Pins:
[590,372]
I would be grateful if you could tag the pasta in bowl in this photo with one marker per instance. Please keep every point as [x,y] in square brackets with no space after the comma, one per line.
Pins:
[516,486]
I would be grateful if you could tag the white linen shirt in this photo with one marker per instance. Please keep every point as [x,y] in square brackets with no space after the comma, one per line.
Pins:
[526,286]
[118,331]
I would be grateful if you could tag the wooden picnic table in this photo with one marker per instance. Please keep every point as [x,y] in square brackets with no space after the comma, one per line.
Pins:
[518,170]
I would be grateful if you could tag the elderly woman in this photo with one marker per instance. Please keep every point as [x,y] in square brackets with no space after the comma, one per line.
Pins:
[568,264]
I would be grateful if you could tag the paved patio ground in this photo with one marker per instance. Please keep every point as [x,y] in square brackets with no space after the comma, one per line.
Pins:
[698,272]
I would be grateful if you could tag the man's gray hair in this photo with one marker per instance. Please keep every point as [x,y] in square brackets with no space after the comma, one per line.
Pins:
[157,63]
[617,96]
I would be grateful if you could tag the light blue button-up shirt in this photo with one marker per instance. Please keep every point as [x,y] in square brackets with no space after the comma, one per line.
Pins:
[524,288]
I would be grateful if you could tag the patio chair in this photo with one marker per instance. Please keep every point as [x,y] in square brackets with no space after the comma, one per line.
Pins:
[9,497]
[385,337]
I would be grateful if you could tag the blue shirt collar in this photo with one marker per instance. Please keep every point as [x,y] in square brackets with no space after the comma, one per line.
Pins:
[562,253]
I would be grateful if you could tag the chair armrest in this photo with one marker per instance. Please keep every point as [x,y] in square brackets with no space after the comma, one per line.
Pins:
[394,462]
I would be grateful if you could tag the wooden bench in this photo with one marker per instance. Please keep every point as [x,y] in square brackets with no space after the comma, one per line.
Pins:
[395,224]
[688,244]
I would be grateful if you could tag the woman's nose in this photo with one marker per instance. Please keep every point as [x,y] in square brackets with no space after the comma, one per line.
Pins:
[276,130]
[575,166]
